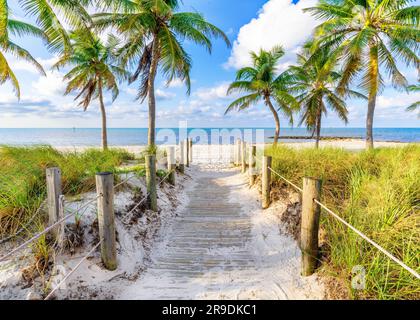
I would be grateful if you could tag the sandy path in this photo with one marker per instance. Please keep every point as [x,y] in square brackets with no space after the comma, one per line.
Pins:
[222,246]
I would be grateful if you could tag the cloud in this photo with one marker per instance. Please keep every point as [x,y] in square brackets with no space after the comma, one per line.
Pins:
[217,92]
[280,22]
[51,85]
[176,83]
[164,95]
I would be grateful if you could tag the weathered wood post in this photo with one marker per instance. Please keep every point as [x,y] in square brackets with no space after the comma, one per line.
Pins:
[181,157]
[243,156]
[151,182]
[190,150]
[106,218]
[252,164]
[170,151]
[238,152]
[266,182]
[310,224]
[53,176]
[60,227]
[187,152]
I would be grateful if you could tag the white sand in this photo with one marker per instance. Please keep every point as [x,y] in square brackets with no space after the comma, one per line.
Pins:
[275,254]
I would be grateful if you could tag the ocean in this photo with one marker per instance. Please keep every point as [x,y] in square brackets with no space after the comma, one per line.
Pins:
[130,137]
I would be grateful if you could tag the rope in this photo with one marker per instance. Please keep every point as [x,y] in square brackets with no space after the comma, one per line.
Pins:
[147,194]
[124,181]
[38,235]
[377,246]
[72,271]
[26,226]
[288,181]
[363,236]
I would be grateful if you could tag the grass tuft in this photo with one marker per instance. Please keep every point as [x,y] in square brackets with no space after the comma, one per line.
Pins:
[378,192]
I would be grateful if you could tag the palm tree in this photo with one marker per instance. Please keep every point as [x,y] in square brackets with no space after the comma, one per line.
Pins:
[366,35]
[415,105]
[15,28]
[52,16]
[153,31]
[93,71]
[261,82]
[315,83]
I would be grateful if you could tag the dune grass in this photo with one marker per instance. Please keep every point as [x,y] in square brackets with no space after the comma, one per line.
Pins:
[22,178]
[376,191]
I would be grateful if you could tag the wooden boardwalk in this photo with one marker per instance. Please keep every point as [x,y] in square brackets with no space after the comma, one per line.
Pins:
[207,252]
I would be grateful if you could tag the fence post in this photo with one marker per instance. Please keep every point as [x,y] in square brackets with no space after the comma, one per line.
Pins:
[181,157]
[151,182]
[170,151]
[53,194]
[187,153]
[252,164]
[243,156]
[310,224]
[266,182]
[106,218]
[190,150]
[238,152]
[60,228]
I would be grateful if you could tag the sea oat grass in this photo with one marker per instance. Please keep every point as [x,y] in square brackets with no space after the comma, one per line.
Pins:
[378,192]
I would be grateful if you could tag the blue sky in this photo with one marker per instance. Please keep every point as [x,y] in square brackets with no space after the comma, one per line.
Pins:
[250,24]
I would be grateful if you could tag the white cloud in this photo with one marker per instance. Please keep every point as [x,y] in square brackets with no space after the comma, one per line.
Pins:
[164,95]
[279,22]
[217,92]
[400,100]
[176,83]
[51,85]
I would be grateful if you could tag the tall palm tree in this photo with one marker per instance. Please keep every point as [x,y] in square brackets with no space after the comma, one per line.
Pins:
[93,71]
[315,82]
[153,31]
[368,34]
[10,27]
[261,82]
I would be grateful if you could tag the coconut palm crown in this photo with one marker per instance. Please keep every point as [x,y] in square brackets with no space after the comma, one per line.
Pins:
[153,32]
[261,82]
[369,36]
[93,71]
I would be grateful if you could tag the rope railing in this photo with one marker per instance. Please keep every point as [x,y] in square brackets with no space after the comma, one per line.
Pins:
[148,194]
[46,230]
[72,271]
[359,233]
[57,223]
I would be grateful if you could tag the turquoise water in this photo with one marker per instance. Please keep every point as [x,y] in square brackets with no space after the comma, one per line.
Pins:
[127,137]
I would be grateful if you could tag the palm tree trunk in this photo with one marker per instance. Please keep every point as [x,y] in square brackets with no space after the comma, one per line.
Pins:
[369,120]
[103,115]
[151,92]
[318,130]
[276,119]
[373,90]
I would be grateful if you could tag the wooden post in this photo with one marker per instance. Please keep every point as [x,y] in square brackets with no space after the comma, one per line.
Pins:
[252,164]
[181,157]
[310,225]
[190,150]
[53,194]
[243,156]
[238,152]
[151,182]
[266,182]
[170,151]
[60,228]
[187,152]
[106,218]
